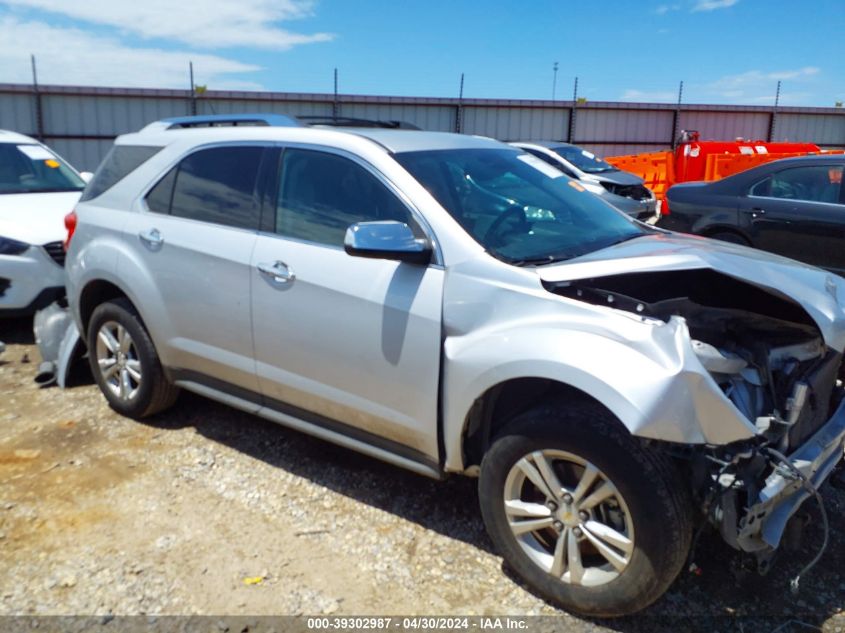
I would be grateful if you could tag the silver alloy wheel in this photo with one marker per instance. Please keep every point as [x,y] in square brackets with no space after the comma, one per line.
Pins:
[569,518]
[118,360]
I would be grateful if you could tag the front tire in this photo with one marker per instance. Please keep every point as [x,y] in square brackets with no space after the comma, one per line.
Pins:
[125,363]
[583,513]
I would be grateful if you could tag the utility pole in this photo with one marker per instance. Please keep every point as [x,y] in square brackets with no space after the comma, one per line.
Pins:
[335,103]
[774,116]
[571,132]
[676,118]
[39,111]
[459,111]
[193,89]
[554,81]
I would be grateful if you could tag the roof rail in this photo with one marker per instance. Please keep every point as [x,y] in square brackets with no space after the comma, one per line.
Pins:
[344,121]
[232,120]
[223,120]
[269,120]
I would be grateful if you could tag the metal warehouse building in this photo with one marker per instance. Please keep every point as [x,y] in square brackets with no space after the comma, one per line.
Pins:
[80,122]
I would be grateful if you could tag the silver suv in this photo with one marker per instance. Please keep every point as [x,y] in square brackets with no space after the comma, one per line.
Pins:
[452,304]
[622,189]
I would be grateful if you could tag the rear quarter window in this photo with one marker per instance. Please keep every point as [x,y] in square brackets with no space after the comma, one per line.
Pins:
[121,161]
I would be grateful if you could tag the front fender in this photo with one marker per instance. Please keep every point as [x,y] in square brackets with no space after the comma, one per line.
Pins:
[653,381]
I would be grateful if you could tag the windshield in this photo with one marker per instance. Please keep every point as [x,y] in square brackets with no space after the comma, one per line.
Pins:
[586,161]
[29,168]
[517,207]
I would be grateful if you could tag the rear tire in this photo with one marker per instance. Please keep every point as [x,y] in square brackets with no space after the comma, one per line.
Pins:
[125,363]
[619,522]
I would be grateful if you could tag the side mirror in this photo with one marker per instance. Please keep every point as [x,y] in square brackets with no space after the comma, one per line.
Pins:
[86,176]
[386,240]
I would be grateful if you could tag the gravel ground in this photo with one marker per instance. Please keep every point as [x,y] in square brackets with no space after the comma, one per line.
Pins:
[206,510]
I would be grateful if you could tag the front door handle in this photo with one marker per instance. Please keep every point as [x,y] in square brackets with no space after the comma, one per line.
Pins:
[152,237]
[755,211]
[277,271]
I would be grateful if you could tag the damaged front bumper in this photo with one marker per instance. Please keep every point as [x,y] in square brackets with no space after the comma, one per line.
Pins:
[58,342]
[762,526]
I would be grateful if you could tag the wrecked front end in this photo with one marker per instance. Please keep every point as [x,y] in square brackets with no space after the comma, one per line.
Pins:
[778,366]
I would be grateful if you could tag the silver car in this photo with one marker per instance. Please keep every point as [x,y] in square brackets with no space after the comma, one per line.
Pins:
[625,191]
[452,305]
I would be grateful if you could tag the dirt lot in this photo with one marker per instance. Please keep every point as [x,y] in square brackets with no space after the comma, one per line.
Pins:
[206,510]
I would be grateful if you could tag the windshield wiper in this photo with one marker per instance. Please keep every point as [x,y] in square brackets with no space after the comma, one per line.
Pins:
[535,261]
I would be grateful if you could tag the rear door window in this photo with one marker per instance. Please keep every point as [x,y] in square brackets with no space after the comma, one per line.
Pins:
[216,185]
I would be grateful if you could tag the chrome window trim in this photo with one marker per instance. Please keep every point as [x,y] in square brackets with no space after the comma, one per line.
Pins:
[839,205]
[141,199]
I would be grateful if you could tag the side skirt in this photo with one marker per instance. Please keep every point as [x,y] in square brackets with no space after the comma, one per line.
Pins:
[324,428]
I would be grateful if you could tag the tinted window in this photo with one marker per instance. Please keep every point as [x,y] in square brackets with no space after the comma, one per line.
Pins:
[816,183]
[321,194]
[121,161]
[762,188]
[159,197]
[29,168]
[218,185]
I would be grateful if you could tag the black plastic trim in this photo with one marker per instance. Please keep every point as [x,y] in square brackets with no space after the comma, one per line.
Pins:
[310,417]
[44,298]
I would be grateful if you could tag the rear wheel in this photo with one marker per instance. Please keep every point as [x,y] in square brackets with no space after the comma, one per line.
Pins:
[124,361]
[590,519]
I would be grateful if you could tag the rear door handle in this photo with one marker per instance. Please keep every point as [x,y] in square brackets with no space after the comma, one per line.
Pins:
[152,237]
[278,271]
[755,211]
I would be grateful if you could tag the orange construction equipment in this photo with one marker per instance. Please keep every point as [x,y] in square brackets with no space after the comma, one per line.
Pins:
[694,159]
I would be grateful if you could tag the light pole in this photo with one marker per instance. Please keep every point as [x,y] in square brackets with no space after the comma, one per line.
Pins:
[554,81]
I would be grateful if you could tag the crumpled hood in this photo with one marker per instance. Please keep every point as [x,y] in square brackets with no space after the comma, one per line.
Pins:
[36,218]
[820,293]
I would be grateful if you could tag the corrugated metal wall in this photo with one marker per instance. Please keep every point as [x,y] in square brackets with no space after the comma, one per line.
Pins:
[516,124]
[716,125]
[81,122]
[824,129]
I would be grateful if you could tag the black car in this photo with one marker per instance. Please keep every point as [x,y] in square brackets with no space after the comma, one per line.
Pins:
[793,207]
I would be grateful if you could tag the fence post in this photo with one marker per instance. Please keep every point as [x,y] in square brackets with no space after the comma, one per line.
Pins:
[459,110]
[571,132]
[676,117]
[39,111]
[773,118]
[193,102]
[336,101]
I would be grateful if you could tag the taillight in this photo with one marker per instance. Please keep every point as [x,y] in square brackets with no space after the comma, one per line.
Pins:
[70,225]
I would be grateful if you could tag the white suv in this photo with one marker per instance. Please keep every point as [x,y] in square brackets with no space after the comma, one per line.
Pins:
[37,190]
[452,304]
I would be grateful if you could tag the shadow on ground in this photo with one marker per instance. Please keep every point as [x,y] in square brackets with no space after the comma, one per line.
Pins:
[720,598]
[17,331]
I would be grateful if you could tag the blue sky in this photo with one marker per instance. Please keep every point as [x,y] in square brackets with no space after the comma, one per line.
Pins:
[726,51]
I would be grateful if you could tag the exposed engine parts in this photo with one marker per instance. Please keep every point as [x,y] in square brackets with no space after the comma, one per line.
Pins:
[770,360]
